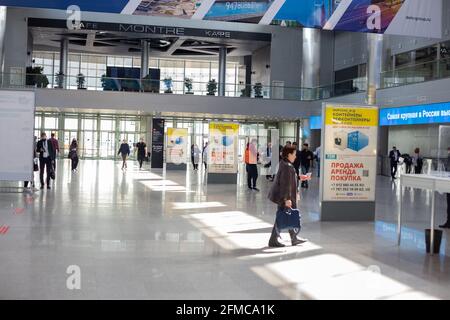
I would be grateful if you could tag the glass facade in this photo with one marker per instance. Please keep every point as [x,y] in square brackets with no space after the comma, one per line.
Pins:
[99,135]
[94,66]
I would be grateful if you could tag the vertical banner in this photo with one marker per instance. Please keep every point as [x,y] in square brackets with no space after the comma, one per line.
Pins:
[349,153]
[158,143]
[223,147]
[176,152]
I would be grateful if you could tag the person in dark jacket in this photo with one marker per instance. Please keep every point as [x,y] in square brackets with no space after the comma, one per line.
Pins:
[394,156]
[73,154]
[124,151]
[284,193]
[141,149]
[45,150]
[297,161]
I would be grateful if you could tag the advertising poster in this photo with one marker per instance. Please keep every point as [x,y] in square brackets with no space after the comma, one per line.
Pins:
[176,152]
[400,17]
[223,147]
[158,143]
[350,153]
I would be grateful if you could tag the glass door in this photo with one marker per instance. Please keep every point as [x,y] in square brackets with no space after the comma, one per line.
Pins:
[107,148]
[89,144]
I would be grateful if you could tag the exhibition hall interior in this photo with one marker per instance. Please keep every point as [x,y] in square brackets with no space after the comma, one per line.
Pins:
[225,150]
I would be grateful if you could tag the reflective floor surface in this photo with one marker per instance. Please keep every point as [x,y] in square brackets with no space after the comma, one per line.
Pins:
[157,235]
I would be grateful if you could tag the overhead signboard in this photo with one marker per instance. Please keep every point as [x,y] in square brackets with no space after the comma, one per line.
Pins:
[400,17]
[421,114]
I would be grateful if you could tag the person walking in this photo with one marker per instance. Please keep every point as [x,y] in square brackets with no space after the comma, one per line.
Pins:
[417,161]
[45,149]
[251,161]
[141,149]
[73,154]
[297,159]
[55,145]
[195,156]
[205,155]
[284,194]
[394,156]
[124,151]
[306,161]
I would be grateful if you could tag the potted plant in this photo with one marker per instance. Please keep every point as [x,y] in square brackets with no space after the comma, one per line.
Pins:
[188,85]
[60,80]
[80,81]
[35,77]
[211,87]
[168,84]
[258,90]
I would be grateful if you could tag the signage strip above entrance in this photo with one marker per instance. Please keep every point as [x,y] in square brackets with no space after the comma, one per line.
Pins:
[152,29]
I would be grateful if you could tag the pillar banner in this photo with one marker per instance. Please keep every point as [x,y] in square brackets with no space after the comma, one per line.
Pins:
[223,147]
[350,153]
[176,145]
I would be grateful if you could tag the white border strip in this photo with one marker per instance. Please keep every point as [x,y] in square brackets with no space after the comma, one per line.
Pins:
[204,8]
[131,7]
[271,12]
[337,15]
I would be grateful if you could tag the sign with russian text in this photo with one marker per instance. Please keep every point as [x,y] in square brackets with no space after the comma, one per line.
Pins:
[223,147]
[400,17]
[350,153]
[176,145]
[157,143]
[422,114]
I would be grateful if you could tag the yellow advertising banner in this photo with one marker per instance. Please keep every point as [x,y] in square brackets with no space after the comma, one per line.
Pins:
[176,145]
[222,153]
[353,116]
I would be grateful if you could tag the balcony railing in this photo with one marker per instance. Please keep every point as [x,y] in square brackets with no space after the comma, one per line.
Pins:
[417,73]
[165,86]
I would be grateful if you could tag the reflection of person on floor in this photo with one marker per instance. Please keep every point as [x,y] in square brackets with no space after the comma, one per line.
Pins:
[284,194]
[447,168]
[141,149]
[73,154]
[124,151]
[45,150]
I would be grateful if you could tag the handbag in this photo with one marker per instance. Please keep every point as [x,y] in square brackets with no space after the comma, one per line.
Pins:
[52,174]
[288,219]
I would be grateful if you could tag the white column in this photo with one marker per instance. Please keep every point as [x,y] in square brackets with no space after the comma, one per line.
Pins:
[144,58]
[64,61]
[374,63]
[311,62]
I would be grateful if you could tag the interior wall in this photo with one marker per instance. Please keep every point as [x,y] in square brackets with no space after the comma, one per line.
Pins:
[407,138]
[261,66]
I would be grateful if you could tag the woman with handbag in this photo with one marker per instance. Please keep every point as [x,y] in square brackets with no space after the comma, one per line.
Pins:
[284,194]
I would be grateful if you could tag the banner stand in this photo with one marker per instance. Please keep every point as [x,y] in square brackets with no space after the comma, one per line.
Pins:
[222,178]
[348,168]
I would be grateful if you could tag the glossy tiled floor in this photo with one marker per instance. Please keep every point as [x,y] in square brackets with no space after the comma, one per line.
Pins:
[155,235]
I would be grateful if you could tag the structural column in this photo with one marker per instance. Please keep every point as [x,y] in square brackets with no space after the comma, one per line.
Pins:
[144,58]
[222,70]
[374,63]
[63,62]
[311,63]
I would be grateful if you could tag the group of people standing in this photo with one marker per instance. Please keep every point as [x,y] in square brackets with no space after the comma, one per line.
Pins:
[411,162]
[196,154]
[45,153]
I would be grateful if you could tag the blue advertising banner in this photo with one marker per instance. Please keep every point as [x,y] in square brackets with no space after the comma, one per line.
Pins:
[400,17]
[422,114]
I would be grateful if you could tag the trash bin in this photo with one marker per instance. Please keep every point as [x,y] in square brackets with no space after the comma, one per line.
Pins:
[437,240]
